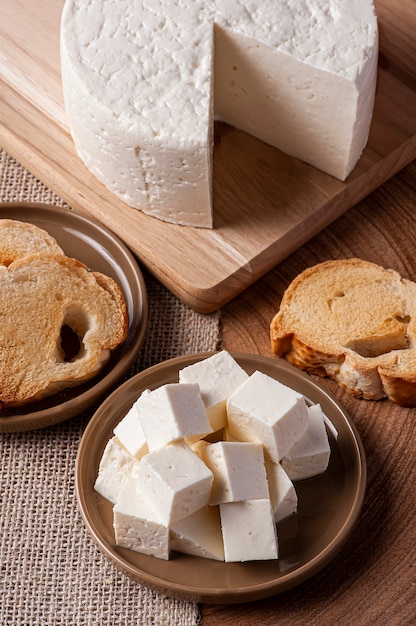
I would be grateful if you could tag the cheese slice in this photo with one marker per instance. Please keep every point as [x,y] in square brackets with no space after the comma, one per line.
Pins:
[139,80]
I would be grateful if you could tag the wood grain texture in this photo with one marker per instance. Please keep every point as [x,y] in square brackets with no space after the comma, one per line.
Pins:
[373,579]
[266,204]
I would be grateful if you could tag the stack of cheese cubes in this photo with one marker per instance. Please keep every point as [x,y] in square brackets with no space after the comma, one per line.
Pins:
[205,466]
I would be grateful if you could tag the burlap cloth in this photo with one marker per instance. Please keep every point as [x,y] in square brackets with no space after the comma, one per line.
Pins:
[51,572]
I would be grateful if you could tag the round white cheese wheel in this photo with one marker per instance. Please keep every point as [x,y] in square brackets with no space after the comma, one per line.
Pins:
[143,81]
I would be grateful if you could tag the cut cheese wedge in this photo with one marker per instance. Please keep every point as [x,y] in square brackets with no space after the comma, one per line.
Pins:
[139,80]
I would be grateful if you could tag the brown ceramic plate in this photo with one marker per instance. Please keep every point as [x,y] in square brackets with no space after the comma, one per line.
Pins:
[329,505]
[100,250]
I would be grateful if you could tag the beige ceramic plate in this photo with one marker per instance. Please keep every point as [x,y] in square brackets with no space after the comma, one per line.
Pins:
[100,250]
[328,505]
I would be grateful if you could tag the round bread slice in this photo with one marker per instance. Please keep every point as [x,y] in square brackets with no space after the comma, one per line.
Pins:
[39,297]
[355,322]
[19,239]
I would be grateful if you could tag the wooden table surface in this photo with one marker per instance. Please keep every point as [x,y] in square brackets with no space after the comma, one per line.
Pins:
[372,580]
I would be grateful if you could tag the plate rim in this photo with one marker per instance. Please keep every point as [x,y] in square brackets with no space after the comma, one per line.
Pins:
[230,595]
[63,411]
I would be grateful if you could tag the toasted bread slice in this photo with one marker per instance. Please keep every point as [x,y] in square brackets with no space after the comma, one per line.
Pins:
[39,296]
[353,321]
[19,239]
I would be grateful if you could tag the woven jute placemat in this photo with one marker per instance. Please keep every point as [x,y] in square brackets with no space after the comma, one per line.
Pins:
[51,572]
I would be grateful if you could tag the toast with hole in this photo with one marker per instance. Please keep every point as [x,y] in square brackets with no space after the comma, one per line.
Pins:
[44,298]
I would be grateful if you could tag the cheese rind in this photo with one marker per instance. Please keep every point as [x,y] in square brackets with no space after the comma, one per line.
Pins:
[137,86]
[263,409]
[139,78]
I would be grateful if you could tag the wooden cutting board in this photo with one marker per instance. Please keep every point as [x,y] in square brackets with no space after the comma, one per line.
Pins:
[266,204]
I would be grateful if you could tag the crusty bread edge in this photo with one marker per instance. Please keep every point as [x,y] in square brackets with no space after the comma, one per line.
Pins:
[110,285]
[361,380]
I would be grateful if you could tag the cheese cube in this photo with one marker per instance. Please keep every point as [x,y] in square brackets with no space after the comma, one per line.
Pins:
[310,455]
[249,530]
[238,469]
[263,409]
[174,481]
[218,376]
[172,412]
[115,465]
[136,525]
[199,534]
[130,433]
[282,491]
